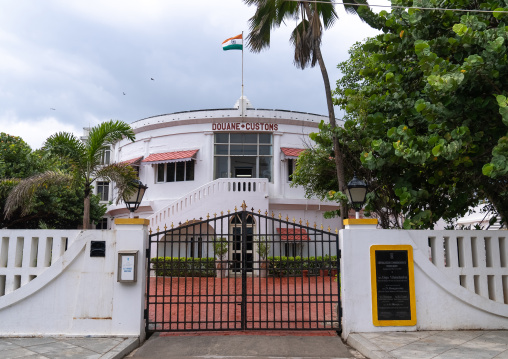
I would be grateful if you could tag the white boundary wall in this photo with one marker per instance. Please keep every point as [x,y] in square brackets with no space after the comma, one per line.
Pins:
[47,290]
[461,278]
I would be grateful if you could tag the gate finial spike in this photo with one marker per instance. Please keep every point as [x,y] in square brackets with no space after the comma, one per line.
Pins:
[300,222]
[172,225]
[236,209]
[315,225]
[273,214]
[150,231]
[244,205]
[165,227]
[280,215]
[321,226]
[215,214]
[336,231]
[287,218]
[158,229]
[294,220]
[307,223]
[259,211]
[329,229]
[208,216]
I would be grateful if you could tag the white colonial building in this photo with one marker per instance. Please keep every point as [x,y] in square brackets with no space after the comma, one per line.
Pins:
[200,163]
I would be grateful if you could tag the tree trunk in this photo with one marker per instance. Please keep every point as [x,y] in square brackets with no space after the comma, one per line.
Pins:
[339,160]
[86,210]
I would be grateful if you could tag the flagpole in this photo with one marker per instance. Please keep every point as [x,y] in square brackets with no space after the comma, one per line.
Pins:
[242,101]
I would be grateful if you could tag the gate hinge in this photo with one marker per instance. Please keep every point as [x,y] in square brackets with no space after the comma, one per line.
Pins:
[145,314]
[147,253]
[339,254]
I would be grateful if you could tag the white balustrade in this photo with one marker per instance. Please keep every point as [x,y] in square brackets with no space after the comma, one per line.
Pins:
[249,187]
[25,254]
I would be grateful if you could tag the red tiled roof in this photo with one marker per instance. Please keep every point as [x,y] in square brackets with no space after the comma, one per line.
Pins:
[293,234]
[177,156]
[291,152]
[134,161]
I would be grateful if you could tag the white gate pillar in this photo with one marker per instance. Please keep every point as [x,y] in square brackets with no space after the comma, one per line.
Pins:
[129,297]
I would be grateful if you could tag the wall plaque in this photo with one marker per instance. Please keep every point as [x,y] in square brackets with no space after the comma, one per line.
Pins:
[392,280]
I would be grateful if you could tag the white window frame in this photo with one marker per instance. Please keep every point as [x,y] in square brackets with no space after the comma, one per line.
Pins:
[291,166]
[103,184]
[174,173]
[106,157]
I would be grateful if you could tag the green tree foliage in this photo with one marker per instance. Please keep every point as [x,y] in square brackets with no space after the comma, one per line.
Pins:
[310,19]
[52,207]
[84,162]
[315,173]
[426,108]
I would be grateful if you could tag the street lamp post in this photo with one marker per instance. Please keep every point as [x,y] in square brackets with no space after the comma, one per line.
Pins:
[356,192]
[133,200]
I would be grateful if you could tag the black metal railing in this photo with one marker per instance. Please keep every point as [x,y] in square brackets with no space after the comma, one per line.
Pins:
[243,271]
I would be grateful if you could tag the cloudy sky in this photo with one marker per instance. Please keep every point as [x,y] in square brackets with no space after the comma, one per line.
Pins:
[67,64]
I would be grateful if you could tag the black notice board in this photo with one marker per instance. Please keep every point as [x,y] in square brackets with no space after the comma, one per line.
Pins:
[394,286]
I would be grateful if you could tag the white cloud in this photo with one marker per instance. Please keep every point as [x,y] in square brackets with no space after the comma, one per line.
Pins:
[80,57]
[35,132]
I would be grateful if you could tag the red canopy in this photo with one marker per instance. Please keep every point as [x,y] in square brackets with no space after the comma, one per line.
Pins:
[293,234]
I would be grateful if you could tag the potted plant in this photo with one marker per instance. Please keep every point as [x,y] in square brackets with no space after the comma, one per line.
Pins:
[220,249]
[262,249]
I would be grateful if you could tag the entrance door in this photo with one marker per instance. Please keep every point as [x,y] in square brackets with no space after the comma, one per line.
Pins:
[242,258]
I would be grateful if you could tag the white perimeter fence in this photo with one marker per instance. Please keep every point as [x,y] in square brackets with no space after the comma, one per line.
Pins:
[461,278]
[51,285]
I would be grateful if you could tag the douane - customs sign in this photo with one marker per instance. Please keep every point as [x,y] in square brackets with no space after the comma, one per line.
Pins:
[245,126]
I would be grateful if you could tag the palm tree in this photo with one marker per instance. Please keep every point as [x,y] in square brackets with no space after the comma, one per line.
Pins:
[306,39]
[86,164]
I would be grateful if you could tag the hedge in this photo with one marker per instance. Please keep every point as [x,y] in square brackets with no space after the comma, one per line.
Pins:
[183,267]
[283,266]
[205,267]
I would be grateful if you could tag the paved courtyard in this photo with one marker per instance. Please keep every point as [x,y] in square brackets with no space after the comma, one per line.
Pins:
[192,303]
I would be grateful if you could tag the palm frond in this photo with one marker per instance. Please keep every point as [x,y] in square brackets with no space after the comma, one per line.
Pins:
[23,194]
[119,173]
[270,14]
[67,146]
[326,10]
[352,9]
[102,136]
[306,44]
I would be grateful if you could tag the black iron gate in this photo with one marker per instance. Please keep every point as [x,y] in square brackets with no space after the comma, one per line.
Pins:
[243,271]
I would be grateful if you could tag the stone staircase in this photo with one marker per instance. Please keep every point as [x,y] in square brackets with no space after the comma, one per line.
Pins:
[212,198]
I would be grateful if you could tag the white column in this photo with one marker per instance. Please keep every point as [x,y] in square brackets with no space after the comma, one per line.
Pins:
[278,181]
[129,298]
[207,156]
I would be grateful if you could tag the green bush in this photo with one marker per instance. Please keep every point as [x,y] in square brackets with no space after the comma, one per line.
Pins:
[183,267]
[290,266]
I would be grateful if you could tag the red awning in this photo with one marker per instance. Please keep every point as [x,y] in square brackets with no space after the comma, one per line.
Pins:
[291,152]
[293,234]
[177,156]
[133,162]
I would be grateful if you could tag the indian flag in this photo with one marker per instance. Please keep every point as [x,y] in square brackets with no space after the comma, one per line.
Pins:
[233,43]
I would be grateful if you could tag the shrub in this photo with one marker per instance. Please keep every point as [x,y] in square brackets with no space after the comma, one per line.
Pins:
[183,267]
[282,266]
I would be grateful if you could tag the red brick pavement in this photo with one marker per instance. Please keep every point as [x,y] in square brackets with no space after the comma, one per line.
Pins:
[193,303]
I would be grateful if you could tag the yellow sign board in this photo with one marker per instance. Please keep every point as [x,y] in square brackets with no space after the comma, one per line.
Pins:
[393,285]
